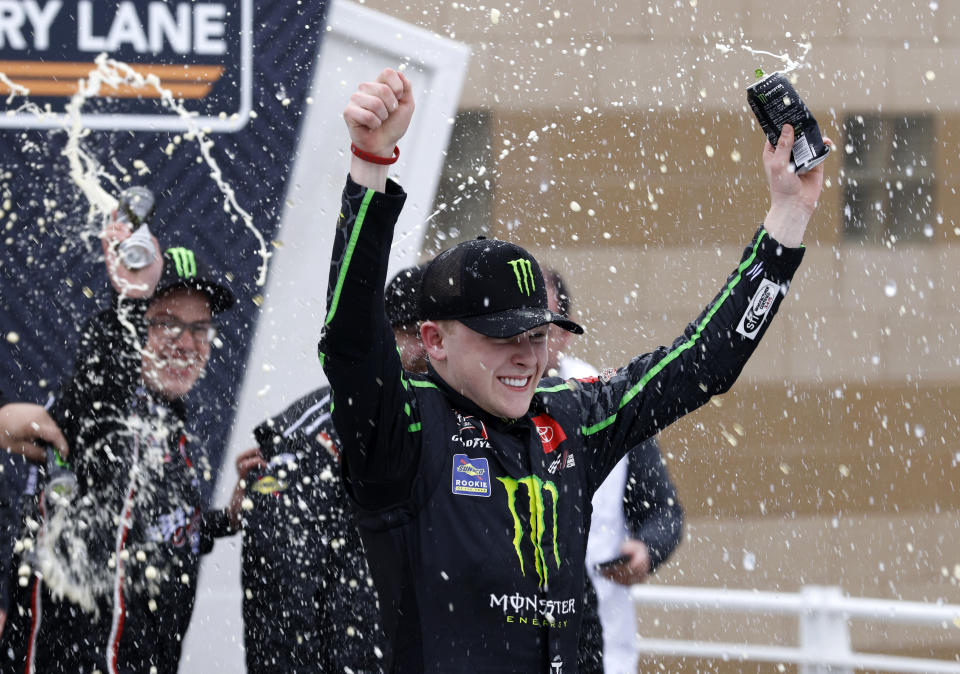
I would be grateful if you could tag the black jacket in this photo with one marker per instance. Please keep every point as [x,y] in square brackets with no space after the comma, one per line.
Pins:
[309,603]
[653,514]
[651,506]
[116,569]
[11,479]
[475,529]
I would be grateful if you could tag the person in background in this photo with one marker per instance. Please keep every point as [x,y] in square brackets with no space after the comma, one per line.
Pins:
[309,603]
[105,569]
[26,430]
[637,519]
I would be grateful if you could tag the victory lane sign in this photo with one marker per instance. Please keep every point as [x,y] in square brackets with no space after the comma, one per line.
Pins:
[201,51]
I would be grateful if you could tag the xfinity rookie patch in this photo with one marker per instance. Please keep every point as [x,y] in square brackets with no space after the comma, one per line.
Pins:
[753,318]
[471,477]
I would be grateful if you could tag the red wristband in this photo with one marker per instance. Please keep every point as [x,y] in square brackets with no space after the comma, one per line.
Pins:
[375,159]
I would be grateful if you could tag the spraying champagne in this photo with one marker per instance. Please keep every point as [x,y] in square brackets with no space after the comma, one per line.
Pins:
[61,485]
[136,207]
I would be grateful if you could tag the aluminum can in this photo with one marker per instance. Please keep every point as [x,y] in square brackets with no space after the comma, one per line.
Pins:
[136,207]
[775,102]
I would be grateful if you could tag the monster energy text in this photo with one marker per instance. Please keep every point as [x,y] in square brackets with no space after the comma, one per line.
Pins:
[547,607]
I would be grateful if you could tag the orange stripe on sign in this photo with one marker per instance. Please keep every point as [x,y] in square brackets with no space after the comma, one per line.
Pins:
[74,69]
[67,89]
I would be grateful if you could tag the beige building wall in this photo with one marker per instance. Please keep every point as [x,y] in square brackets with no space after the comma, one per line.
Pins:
[835,460]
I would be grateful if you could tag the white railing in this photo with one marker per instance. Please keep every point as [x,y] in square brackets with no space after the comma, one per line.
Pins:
[824,634]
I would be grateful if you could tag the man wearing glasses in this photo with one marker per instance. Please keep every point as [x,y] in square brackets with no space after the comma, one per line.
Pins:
[105,569]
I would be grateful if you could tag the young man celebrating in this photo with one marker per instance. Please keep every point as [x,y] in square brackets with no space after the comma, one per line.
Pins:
[474,481]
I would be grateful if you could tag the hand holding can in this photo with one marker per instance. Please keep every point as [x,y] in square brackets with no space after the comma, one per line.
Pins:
[775,102]
[136,206]
[133,260]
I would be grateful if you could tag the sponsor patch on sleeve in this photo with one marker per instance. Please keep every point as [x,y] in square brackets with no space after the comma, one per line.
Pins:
[471,477]
[551,434]
[756,313]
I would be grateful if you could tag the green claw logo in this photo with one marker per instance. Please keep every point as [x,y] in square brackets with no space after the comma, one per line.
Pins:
[523,271]
[185,261]
[535,490]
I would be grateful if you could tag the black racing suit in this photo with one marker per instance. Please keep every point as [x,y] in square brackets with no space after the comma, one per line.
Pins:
[9,466]
[309,603]
[107,582]
[475,528]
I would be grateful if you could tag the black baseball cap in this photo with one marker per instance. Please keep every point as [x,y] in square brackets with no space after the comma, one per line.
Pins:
[402,297]
[493,287]
[182,268]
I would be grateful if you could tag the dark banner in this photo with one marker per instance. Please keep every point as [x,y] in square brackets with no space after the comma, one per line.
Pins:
[51,271]
[201,51]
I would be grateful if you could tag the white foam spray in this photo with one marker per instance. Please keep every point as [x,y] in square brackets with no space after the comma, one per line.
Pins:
[61,554]
[789,63]
[86,172]
[15,89]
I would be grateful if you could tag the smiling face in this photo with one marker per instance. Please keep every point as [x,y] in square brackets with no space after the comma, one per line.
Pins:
[499,375]
[172,365]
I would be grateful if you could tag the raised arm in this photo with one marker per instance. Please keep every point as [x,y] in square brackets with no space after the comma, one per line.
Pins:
[373,409]
[793,197]
[657,388]
[377,116]
[110,341]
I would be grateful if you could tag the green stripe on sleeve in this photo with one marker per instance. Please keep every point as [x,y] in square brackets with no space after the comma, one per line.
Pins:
[354,235]
[553,389]
[673,355]
[422,384]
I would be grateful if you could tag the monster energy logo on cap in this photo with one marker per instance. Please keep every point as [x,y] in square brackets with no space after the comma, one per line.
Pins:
[185,261]
[523,271]
[474,282]
[535,488]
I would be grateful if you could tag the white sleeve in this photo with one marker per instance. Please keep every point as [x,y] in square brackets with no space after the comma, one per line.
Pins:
[574,368]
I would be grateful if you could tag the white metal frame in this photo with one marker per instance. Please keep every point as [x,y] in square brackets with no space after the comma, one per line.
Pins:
[824,614]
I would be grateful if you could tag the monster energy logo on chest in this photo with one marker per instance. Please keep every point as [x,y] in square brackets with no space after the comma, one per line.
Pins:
[535,488]
[185,261]
[523,271]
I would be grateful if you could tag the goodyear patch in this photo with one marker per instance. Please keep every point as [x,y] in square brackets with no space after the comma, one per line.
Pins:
[471,477]
[268,484]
